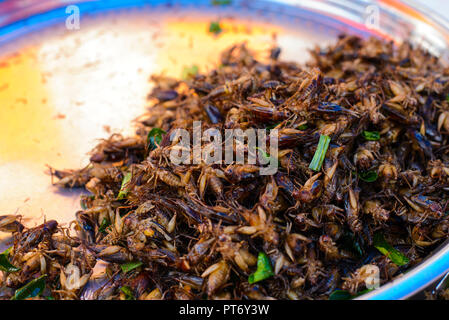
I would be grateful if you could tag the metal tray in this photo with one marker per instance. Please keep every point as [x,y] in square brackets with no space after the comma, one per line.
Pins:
[62,88]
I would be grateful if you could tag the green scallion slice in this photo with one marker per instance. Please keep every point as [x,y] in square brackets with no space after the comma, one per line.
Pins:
[320,153]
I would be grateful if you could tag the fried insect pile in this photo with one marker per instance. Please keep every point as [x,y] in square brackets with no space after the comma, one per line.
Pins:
[375,206]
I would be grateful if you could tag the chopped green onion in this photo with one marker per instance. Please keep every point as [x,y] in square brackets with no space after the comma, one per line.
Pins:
[368,176]
[32,289]
[271,126]
[320,153]
[349,242]
[345,295]
[190,72]
[129,266]
[5,265]
[104,224]
[264,269]
[215,28]
[128,293]
[154,138]
[340,295]
[83,204]
[221,2]
[268,158]
[124,188]
[389,251]
[371,135]
[302,127]
[264,154]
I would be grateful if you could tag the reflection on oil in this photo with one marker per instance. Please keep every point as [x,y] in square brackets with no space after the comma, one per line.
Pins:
[27,128]
[188,42]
